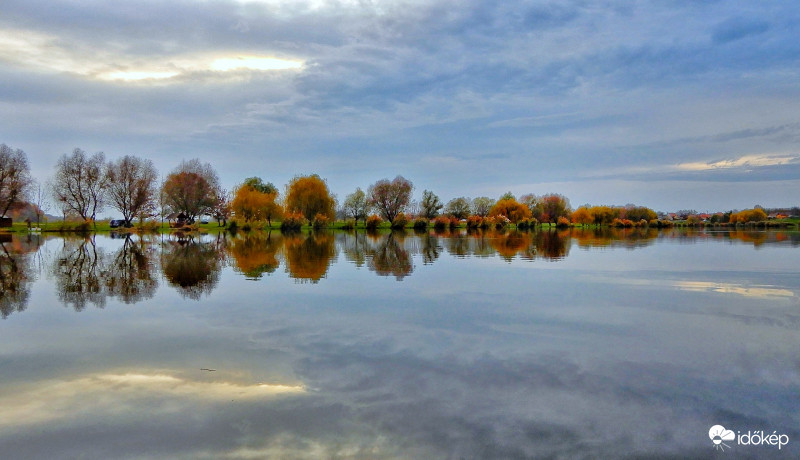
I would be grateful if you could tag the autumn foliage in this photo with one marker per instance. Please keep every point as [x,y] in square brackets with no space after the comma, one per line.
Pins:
[309,196]
[252,204]
[748,215]
[511,209]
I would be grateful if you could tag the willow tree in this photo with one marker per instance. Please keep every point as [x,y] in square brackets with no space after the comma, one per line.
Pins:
[252,203]
[512,209]
[309,195]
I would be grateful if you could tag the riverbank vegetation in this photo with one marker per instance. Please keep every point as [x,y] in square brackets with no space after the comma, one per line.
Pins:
[191,196]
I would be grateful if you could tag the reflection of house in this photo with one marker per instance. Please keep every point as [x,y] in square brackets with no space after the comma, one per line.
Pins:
[178,219]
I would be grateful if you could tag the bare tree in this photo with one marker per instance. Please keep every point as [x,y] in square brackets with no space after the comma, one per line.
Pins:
[14,177]
[482,205]
[132,187]
[390,197]
[79,183]
[41,203]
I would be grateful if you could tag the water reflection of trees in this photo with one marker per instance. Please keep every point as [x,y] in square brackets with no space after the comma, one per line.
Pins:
[86,274]
[429,248]
[77,271]
[193,265]
[132,274]
[16,272]
[614,237]
[309,256]
[548,245]
[256,253]
[388,257]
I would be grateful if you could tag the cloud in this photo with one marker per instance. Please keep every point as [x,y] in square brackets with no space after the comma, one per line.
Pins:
[562,89]
[747,162]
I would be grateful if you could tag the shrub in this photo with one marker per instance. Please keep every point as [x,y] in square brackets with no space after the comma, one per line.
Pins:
[621,223]
[293,221]
[149,226]
[454,222]
[233,226]
[400,221]
[246,227]
[372,222]
[348,224]
[501,222]
[474,221]
[440,223]
[563,222]
[320,221]
[642,223]
[421,224]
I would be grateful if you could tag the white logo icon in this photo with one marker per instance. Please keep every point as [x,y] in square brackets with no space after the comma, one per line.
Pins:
[718,434]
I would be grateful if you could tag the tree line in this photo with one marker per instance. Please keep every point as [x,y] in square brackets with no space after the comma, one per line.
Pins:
[83,185]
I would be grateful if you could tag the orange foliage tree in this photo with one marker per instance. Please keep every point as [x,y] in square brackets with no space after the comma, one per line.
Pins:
[309,196]
[748,215]
[510,208]
[549,208]
[192,188]
[582,216]
[253,204]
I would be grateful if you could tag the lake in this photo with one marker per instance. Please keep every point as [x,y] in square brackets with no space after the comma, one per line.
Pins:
[569,344]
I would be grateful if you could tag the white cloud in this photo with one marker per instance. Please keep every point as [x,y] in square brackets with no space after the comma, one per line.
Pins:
[44,52]
[746,161]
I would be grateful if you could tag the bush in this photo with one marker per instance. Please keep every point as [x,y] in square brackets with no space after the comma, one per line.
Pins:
[440,223]
[474,221]
[400,221]
[563,222]
[320,221]
[454,222]
[421,224]
[233,226]
[621,223]
[348,225]
[149,226]
[372,222]
[501,222]
[246,227]
[293,221]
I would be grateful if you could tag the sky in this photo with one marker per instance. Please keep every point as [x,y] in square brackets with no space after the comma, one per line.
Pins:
[671,104]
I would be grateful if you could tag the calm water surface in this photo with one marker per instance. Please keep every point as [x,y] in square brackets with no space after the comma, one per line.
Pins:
[341,345]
